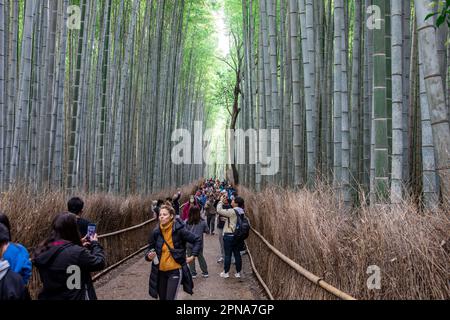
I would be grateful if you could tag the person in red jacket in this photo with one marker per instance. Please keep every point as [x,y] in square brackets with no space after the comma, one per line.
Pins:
[187,206]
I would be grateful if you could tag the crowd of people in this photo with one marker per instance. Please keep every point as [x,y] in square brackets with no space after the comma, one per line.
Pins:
[178,241]
[71,252]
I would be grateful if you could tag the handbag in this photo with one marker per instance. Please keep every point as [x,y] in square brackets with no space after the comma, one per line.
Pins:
[179,255]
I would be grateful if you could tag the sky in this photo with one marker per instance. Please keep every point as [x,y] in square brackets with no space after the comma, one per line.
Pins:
[218,141]
[223,45]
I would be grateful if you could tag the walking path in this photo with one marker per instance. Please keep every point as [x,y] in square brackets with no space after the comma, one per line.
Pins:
[130,281]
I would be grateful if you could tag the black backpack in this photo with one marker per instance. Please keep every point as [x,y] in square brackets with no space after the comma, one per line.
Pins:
[242,230]
[12,288]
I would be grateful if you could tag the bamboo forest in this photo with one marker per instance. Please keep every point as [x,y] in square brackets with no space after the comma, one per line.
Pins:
[330,118]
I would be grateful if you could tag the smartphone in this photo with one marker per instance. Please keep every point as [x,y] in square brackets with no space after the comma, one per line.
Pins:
[92,230]
[155,260]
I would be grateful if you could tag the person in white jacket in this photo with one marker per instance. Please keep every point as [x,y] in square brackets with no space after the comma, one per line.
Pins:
[231,248]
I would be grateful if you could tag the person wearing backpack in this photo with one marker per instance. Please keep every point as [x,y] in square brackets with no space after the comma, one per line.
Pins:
[11,283]
[16,254]
[235,231]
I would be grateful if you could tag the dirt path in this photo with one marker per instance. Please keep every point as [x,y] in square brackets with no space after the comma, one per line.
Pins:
[130,281]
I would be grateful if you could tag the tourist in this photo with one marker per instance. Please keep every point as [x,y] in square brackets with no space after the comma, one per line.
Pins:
[197,226]
[167,251]
[16,254]
[63,250]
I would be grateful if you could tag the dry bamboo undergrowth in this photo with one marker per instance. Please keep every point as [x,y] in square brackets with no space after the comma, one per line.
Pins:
[31,218]
[31,215]
[339,244]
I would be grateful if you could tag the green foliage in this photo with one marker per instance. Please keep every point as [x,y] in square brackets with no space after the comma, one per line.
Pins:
[443,12]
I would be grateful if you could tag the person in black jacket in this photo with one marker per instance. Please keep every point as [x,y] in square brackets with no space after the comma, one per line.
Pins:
[63,256]
[176,203]
[167,251]
[76,206]
[157,208]
[11,283]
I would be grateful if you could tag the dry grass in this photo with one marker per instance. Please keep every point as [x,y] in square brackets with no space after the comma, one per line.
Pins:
[31,215]
[339,244]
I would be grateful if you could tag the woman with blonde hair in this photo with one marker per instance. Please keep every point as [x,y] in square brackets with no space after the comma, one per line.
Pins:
[167,251]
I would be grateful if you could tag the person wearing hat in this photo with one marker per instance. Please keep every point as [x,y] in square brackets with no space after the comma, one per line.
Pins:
[11,283]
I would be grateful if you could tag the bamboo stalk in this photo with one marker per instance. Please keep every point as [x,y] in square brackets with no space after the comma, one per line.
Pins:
[258,276]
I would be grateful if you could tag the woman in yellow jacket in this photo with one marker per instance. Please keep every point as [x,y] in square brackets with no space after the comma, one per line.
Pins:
[167,251]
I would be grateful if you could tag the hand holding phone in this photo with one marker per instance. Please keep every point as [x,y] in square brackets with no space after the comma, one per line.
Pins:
[92,232]
[153,257]
[224,199]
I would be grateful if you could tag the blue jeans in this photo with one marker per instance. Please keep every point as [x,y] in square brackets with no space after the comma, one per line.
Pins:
[222,250]
[231,248]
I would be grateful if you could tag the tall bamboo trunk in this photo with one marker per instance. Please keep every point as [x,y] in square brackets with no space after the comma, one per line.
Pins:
[397,102]
[337,96]
[380,112]
[20,145]
[436,98]
[356,106]
[57,128]
[345,117]
[114,181]
[295,65]
[3,109]
[429,182]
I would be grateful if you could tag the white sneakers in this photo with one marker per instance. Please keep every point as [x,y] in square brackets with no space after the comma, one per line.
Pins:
[226,275]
